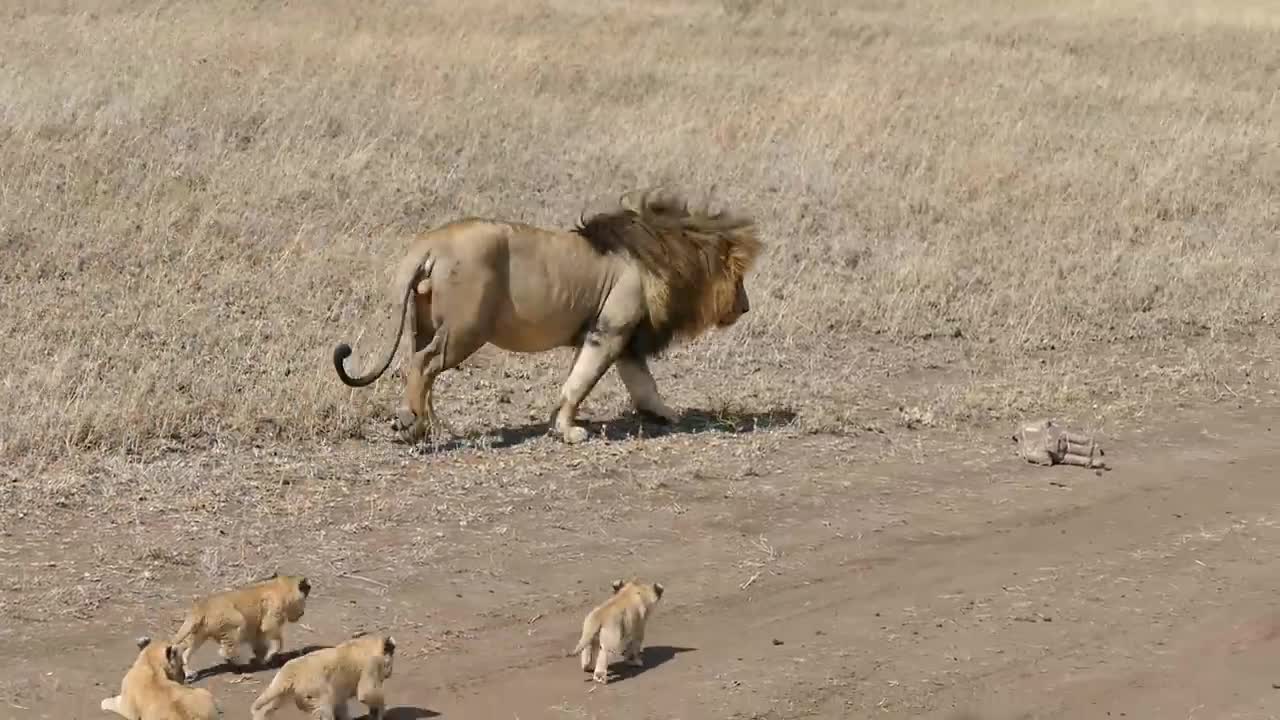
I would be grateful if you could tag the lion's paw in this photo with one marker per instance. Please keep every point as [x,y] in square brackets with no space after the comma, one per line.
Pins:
[575,435]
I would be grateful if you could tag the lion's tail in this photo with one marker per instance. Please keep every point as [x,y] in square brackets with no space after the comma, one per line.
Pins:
[590,628]
[421,272]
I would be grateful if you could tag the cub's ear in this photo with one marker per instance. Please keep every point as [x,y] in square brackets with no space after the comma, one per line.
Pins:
[172,654]
[657,589]
[389,645]
[142,641]
[617,585]
[304,587]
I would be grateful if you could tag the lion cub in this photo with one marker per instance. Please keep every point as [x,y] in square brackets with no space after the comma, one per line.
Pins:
[152,688]
[616,627]
[322,682]
[254,614]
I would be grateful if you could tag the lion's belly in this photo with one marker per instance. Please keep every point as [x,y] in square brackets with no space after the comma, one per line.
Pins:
[528,332]
[552,294]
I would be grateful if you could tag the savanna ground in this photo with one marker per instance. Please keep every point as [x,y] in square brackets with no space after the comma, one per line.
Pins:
[976,212]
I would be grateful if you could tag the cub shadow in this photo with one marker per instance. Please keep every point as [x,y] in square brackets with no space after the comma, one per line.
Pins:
[628,426]
[653,656]
[251,667]
[407,712]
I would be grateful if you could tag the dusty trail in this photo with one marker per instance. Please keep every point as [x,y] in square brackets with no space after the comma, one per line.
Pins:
[1115,604]
[901,590]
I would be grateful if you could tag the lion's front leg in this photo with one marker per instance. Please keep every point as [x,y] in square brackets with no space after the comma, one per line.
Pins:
[595,356]
[643,389]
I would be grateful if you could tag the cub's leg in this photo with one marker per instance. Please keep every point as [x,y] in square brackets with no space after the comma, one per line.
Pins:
[610,644]
[319,707]
[270,639]
[643,389]
[261,651]
[112,704]
[588,656]
[274,697]
[229,647]
[369,691]
[193,644]
[636,648]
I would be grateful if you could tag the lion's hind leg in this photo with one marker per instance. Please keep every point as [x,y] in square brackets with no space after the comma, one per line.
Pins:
[432,371]
[461,312]
[445,351]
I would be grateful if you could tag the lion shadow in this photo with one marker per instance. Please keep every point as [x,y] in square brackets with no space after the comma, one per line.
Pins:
[652,656]
[407,712]
[626,427]
[251,667]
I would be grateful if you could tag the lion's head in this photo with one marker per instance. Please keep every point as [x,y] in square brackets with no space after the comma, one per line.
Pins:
[694,263]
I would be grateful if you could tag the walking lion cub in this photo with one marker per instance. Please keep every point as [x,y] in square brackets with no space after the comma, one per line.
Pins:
[254,614]
[615,628]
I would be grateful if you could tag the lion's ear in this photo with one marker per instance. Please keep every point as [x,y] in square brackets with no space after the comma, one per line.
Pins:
[617,585]
[142,641]
[657,589]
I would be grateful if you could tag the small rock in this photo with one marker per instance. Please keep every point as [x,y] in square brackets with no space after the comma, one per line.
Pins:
[777,641]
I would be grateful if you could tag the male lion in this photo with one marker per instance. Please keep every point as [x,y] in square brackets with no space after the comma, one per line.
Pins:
[619,287]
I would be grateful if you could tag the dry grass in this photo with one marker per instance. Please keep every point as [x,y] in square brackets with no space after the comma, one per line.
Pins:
[198,200]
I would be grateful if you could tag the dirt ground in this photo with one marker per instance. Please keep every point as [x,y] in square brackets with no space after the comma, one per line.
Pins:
[807,575]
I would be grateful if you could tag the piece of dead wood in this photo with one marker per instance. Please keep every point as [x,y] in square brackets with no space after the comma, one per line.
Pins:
[1044,442]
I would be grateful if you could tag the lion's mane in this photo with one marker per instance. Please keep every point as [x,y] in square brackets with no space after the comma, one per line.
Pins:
[691,261]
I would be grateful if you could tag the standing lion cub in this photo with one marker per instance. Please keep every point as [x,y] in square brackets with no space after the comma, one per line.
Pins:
[616,627]
[152,688]
[254,614]
[322,682]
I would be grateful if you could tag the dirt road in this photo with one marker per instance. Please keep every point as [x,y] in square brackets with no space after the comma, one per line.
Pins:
[804,582]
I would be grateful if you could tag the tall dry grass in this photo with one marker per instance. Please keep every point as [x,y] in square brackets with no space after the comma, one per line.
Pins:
[197,200]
